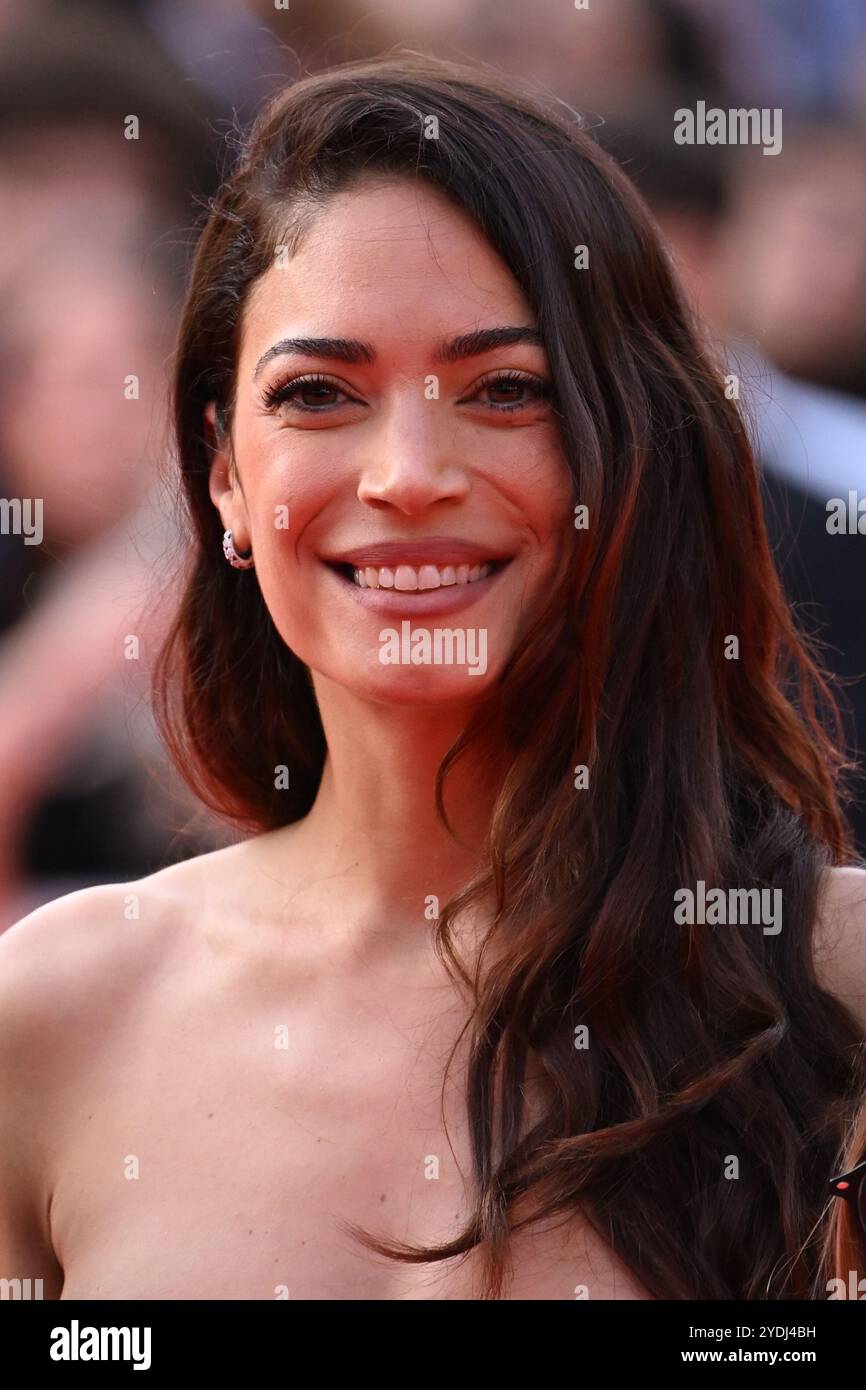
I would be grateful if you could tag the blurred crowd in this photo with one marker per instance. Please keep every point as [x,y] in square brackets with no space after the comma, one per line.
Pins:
[97,221]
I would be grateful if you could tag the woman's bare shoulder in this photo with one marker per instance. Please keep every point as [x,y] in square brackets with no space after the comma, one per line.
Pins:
[103,942]
[840,939]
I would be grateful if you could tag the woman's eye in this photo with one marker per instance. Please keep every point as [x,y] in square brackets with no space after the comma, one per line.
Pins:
[511,392]
[304,393]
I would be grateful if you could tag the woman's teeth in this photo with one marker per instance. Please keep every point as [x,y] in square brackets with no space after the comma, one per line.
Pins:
[408,577]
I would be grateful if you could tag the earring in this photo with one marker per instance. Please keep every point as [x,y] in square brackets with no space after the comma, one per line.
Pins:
[239,562]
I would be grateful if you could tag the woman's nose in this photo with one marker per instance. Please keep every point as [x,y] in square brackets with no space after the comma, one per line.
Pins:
[413,463]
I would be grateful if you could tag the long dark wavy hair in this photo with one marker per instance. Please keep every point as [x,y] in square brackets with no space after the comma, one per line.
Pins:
[704,1042]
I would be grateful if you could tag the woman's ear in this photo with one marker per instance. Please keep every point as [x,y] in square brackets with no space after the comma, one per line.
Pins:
[223,482]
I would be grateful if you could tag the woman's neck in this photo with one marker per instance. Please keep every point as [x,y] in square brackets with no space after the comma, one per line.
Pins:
[373,839]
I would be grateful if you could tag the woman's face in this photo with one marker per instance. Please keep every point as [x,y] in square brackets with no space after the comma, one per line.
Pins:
[389,450]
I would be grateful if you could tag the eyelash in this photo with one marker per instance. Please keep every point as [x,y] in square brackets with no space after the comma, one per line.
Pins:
[287,391]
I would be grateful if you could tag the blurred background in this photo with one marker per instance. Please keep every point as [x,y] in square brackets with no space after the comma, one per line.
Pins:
[96,231]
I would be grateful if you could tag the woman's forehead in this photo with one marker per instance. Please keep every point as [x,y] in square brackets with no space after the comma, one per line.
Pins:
[393,260]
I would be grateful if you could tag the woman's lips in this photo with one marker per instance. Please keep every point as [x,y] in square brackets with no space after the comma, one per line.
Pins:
[431,550]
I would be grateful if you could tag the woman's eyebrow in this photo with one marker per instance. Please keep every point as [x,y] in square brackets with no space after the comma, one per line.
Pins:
[354,351]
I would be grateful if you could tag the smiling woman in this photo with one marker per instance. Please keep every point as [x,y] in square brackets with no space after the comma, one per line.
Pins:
[435,1028]
[416,451]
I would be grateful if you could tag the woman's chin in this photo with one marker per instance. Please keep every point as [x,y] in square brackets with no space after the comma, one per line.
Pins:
[416,686]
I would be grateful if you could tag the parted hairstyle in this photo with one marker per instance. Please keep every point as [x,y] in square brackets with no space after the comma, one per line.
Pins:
[699,1126]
